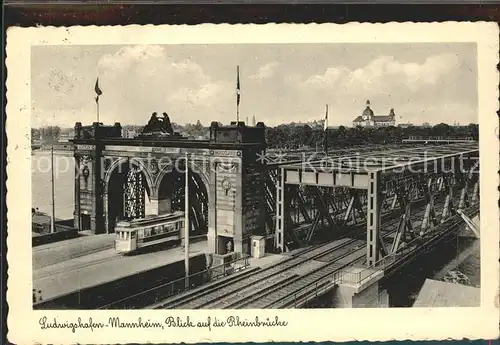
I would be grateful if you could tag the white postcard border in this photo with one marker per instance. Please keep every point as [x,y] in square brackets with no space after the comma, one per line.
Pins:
[303,325]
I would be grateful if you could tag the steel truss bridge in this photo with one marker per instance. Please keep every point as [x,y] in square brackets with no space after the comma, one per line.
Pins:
[345,217]
[343,189]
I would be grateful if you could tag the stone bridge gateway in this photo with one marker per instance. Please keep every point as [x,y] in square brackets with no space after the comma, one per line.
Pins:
[125,178]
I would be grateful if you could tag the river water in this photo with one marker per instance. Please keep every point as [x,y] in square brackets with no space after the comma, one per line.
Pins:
[64,189]
[404,286]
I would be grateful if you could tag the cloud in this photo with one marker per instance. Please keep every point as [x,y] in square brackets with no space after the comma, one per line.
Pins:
[206,94]
[126,56]
[135,81]
[385,73]
[265,72]
[191,84]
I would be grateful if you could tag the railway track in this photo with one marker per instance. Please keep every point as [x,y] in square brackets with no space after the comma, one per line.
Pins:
[251,294]
[274,275]
[334,261]
[259,278]
[269,297]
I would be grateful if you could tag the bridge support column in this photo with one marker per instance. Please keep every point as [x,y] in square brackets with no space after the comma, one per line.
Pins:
[105,196]
[151,207]
[164,205]
[368,295]
[373,218]
[76,213]
[280,212]
[448,205]
[475,193]
[212,211]
[157,206]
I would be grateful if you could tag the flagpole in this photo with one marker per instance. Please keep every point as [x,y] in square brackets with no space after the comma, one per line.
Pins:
[97,104]
[53,221]
[237,94]
[325,141]
[186,224]
[98,93]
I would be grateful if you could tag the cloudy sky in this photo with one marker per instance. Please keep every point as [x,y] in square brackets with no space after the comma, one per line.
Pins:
[279,83]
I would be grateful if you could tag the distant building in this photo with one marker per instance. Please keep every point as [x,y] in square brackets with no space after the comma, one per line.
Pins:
[369,119]
[405,125]
[65,138]
[128,133]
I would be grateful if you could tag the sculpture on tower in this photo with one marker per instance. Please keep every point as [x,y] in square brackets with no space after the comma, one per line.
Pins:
[158,126]
[167,125]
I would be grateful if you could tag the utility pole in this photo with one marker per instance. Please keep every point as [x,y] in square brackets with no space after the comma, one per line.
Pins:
[53,220]
[186,224]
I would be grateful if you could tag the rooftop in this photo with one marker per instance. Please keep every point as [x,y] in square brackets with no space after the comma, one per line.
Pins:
[436,293]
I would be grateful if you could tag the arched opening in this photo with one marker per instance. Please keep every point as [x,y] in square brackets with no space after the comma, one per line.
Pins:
[128,193]
[171,197]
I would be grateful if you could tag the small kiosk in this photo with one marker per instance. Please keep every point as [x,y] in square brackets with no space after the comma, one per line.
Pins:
[258,249]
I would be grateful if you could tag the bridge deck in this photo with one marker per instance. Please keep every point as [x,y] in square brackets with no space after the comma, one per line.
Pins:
[273,274]
[379,158]
[49,254]
[96,269]
[290,280]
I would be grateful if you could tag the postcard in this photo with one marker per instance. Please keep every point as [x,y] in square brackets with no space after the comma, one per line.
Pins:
[253,183]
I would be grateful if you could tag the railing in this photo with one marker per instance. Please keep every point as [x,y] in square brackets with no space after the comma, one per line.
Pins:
[317,288]
[229,266]
[356,277]
[178,286]
[344,276]
[445,138]
[411,247]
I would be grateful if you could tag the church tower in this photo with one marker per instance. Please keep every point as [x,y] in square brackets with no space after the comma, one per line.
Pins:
[368,113]
[392,117]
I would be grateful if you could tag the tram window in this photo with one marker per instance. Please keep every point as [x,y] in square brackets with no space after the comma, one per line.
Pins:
[140,233]
[132,234]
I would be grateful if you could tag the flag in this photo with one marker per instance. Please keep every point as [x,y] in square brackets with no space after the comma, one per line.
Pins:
[97,90]
[238,85]
[325,138]
[326,119]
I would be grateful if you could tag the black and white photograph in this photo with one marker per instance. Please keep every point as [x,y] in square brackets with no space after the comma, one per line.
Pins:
[244,176]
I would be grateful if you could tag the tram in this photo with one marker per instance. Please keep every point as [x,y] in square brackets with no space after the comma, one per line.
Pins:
[151,230]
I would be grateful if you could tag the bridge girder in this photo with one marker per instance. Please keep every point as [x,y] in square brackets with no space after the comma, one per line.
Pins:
[387,181]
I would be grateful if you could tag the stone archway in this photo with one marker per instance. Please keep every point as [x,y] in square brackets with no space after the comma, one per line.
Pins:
[118,197]
[170,187]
